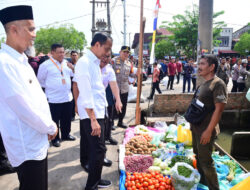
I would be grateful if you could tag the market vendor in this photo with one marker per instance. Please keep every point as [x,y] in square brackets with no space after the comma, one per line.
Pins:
[213,95]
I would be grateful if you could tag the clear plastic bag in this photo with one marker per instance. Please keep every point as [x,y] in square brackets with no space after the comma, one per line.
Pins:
[185,183]
[248,95]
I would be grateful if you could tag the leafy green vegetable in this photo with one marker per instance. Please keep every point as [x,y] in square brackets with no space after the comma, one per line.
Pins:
[179,158]
[184,171]
[232,169]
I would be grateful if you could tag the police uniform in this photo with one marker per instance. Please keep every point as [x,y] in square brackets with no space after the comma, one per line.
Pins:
[123,69]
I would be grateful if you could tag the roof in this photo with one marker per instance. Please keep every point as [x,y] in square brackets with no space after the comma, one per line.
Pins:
[227,51]
[148,36]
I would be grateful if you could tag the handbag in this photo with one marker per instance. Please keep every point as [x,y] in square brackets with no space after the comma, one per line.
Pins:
[196,113]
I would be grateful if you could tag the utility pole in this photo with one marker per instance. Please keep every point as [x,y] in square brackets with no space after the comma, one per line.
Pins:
[205,29]
[101,25]
[124,22]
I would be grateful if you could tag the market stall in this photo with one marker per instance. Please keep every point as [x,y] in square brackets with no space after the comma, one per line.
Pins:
[161,157]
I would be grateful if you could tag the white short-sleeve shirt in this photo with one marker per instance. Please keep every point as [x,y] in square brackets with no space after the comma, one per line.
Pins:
[108,75]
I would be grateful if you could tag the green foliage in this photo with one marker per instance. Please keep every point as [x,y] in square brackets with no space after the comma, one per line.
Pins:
[185,30]
[2,40]
[66,35]
[164,47]
[243,46]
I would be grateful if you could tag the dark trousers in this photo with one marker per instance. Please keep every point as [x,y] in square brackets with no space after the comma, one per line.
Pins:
[155,86]
[124,100]
[61,115]
[241,87]
[178,77]
[235,86]
[188,80]
[33,175]
[205,164]
[170,81]
[194,84]
[92,151]
[3,156]
[109,122]
[73,109]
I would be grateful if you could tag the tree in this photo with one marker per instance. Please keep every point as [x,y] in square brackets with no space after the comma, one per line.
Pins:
[66,35]
[243,46]
[185,30]
[164,47]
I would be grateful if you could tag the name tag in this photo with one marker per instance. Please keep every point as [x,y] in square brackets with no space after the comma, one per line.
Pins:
[198,102]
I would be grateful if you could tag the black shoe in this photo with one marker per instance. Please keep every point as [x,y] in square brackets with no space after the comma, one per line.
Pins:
[149,98]
[122,125]
[69,138]
[113,127]
[104,183]
[56,143]
[112,141]
[107,162]
[85,167]
[171,89]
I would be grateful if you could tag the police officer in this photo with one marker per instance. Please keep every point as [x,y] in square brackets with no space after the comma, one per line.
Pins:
[123,69]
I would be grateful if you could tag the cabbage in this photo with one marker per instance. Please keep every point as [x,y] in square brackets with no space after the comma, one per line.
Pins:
[163,165]
[154,168]
[157,162]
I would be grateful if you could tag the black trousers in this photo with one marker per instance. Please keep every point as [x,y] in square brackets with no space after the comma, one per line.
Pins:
[194,84]
[61,115]
[188,80]
[178,77]
[73,109]
[33,175]
[155,86]
[170,81]
[124,100]
[3,156]
[92,151]
[109,122]
[235,86]
[241,87]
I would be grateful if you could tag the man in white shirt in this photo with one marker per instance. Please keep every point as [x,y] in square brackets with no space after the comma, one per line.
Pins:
[91,108]
[54,76]
[26,124]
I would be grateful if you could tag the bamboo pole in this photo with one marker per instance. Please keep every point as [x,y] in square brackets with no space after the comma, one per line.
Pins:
[139,69]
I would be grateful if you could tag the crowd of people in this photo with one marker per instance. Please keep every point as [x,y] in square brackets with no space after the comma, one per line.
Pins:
[43,101]
[238,69]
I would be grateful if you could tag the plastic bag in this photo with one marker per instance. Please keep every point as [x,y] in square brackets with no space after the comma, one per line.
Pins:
[248,95]
[160,124]
[132,95]
[164,81]
[185,183]
[122,180]
[184,135]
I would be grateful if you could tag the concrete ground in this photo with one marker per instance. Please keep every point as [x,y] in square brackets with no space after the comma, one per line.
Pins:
[65,172]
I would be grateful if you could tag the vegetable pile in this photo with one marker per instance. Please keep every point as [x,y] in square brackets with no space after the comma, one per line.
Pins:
[147,181]
[179,158]
[138,146]
[184,171]
[138,163]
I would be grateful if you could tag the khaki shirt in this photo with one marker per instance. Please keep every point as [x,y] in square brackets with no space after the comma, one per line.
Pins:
[209,93]
[123,69]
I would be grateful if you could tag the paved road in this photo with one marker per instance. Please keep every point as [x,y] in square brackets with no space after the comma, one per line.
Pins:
[65,172]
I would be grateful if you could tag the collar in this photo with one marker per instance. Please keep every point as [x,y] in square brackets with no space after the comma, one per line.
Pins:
[93,57]
[57,62]
[15,54]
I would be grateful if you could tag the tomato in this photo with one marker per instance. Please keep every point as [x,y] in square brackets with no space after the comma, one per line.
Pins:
[132,178]
[152,187]
[157,185]
[168,182]
[133,187]
[129,184]
[145,184]
[138,185]
[137,181]
[150,182]
[162,188]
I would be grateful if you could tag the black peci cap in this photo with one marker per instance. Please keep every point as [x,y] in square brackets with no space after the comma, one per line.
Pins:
[20,12]
[125,48]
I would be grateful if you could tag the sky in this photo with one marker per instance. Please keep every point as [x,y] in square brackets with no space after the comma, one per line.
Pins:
[79,13]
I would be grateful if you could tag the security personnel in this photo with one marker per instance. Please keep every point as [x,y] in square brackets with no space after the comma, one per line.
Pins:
[123,69]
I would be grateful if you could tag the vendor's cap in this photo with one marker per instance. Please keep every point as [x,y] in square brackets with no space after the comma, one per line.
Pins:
[125,48]
[20,12]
